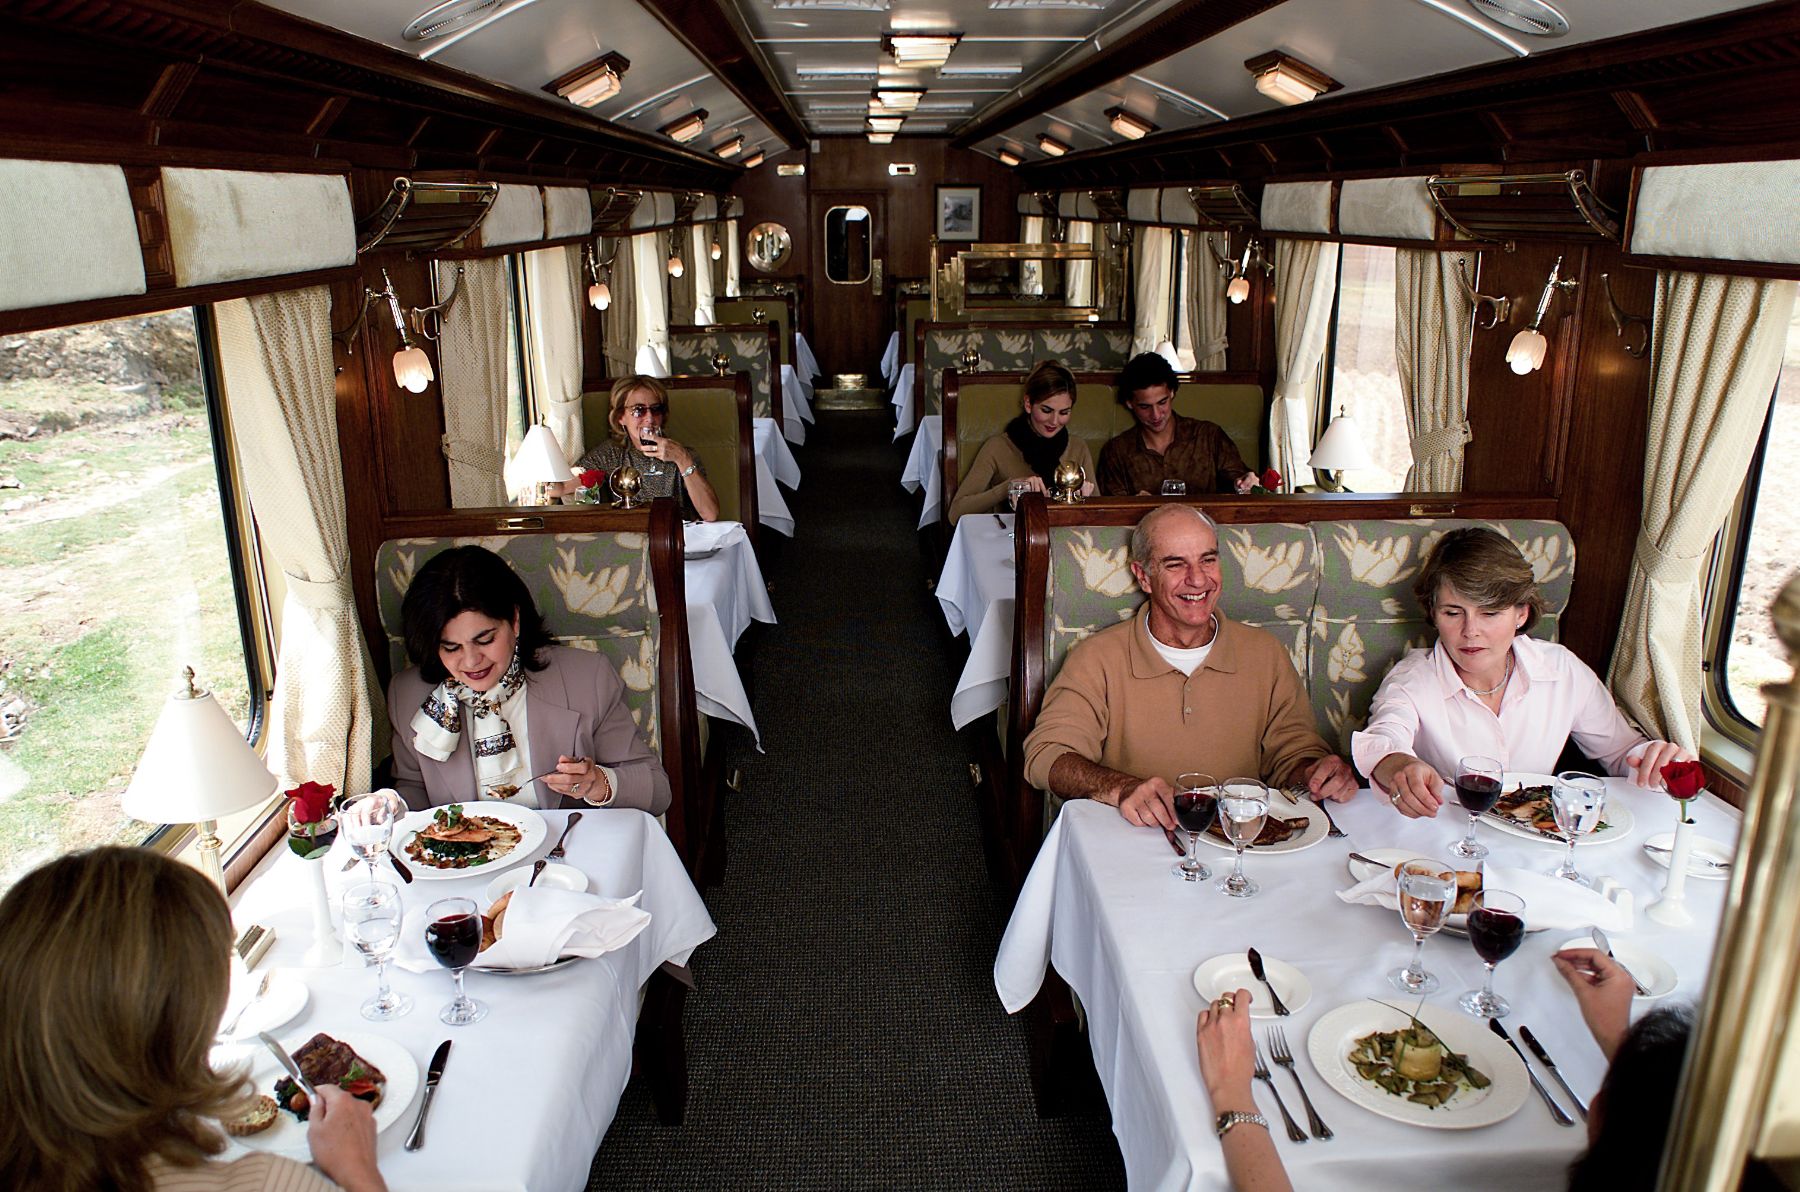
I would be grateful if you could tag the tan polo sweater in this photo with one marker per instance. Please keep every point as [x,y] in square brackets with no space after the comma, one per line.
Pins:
[998,464]
[1244,713]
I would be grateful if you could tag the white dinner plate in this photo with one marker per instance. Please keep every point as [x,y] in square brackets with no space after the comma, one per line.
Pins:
[288,1135]
[1388,858]
[1280,805]
[1231,972]
[1334,1036]
[1657,974]
[1617,816]
[1702,847]
[529,822]
[556,876]
[279,1005]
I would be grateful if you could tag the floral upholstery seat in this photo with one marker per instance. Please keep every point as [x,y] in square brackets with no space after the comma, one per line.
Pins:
[747,348]
[1079,347]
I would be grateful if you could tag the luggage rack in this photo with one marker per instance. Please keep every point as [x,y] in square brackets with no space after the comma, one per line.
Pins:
[426,217]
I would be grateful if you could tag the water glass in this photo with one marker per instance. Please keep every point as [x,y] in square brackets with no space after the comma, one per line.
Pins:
[1174,488]
[1427,892]
[367,822]
[1496,928]
[1578,802]
[1014,490]
[1196,802]
[1478,786]
[1243,808]
[453,937]
[373,913]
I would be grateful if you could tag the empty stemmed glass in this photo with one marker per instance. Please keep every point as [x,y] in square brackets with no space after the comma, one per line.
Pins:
[1174,488]
[373,913]
[1578,801]
[1478,786]
[1243,808]
[453,937]
[1496,928]
[367,822]
[1427,892]
[1196,802]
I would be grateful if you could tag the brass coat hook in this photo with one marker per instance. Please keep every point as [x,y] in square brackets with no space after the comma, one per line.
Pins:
[1499,309]
[1621,320]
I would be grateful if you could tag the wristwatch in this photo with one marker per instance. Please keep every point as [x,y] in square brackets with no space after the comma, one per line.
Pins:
[689,470]
[1237,1117]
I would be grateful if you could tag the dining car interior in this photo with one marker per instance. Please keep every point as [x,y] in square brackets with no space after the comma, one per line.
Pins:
[826,594]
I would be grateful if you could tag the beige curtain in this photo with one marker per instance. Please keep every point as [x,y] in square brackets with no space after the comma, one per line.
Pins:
[327,717]
[1153,284]
[618,326]
[1114,284]
[700,268]
[650,253]
[1031,273]
[734,261]
[1078,276]
[472,356]
[1206,313]
[681,289]
[1433,327]
[1717,348]
[1305,278]
[554,296]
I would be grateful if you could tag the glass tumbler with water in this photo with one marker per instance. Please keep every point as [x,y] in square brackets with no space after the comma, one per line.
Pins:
[368,821]
[1427,892]
[373,914]
[1196,802]
[1243,808]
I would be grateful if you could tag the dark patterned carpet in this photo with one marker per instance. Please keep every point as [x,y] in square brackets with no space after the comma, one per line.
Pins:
[845,1033]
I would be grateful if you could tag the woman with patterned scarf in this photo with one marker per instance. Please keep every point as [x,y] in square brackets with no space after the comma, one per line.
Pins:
[1030,447]
[491,710]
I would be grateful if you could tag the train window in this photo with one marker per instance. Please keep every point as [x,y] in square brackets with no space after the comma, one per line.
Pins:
[1745,651]
[847,248]
[1364,379]
[119,565]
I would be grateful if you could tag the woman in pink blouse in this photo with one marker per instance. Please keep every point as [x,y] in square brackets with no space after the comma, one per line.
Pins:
[1488,689]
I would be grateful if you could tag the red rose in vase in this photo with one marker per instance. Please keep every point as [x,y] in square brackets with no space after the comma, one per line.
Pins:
[311,828]
[590,477]
[1684,780]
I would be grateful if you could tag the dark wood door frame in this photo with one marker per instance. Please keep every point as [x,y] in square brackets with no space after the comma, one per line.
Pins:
[849,320]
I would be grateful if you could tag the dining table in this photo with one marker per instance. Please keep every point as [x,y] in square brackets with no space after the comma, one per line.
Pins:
[796,405]
[924,469]
[725,592]
[977,592]
[1101,905]
[890,358]
[528,1092]
[906,404]
[775,467]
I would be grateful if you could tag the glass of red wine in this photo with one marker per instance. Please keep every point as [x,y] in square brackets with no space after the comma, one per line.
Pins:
[1496,928]
[1478,788]
[453,937]
[1196,802]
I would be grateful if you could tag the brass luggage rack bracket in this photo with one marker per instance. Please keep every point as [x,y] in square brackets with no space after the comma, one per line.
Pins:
[426,217]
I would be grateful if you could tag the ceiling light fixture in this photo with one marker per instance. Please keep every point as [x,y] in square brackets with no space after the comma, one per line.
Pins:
[592,82]
[1051,145]
[447,17]
[1009,158]
[924,50]
[685,128]
[753,160]
[1288,80]
[881,138]
[824,70]
[897,99]
[730,148]
[887,124]
[1129,124]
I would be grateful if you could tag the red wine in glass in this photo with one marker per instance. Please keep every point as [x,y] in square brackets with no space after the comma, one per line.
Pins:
[1495,934]
[1477,792]
[1194,811]
[454,940]
[1478,787]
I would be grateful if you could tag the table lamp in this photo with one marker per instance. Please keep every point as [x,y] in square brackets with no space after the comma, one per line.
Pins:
[539,462]
[196,769]
[1340,449]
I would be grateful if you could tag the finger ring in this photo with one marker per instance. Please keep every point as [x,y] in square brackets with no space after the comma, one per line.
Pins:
[1394,798]
[1224,1001]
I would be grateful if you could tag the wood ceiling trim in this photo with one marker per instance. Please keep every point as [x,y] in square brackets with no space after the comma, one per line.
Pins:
[714,32]
[1187,23]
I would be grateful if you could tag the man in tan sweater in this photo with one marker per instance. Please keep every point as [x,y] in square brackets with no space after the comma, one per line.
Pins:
[1177,688]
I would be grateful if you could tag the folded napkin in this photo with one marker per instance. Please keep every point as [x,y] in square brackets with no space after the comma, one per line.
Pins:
[543,926]
[1550,902]
[705,537]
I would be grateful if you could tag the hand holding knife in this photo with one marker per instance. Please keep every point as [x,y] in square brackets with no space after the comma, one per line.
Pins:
[433,1074]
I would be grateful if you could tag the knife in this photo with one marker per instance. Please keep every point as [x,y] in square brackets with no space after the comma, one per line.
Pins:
[1175,842]
[1605,945]
[1556,1111]
[1256,970]
[287,1063]
[433,1074]
[1537,1049]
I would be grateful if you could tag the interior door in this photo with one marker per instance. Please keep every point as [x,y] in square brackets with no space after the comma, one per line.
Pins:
[848,270]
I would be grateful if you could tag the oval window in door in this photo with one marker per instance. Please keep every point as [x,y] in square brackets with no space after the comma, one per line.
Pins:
[848,245]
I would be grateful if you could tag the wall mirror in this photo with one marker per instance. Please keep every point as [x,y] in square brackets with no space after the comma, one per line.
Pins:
[847,245]
[768,246]
[1016,281]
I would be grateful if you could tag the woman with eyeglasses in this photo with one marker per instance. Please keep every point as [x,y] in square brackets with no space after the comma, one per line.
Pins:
[640,407]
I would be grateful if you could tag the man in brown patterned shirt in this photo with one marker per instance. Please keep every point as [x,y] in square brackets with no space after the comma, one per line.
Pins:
[1165,445]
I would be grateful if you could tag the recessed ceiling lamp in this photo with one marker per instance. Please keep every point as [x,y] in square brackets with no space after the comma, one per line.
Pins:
[922,50]
[1288,80]
[881,138]
[896,99]
[592,82]
[1009,158]
[730,148]
[753,160]
[1527,16]
[447,17]
[887,124]
[1051,145]
[686,128]
[1128,124]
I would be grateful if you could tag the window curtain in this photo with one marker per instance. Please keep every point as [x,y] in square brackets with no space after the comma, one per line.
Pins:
[1031,273]
[682,289]
[328,721]
[734,263]
[701,270]
[1078,276]
[1153,317]
[472,359]
[1114,284]
[1206,306]
[554,296]
[650,274]
[1433,328]
[1305,279]
[1717,345]
[618,323]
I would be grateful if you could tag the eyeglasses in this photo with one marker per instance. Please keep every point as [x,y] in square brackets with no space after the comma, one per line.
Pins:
[659,409]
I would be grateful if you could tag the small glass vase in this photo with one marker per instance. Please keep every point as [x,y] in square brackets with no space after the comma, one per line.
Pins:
[311,842]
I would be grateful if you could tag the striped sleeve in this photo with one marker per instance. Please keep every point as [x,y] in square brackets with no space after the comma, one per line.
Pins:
[252,1173]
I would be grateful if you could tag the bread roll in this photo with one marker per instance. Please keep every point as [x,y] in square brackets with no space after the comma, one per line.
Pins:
[256,1117]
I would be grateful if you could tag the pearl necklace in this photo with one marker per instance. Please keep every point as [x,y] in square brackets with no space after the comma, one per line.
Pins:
[1504,679]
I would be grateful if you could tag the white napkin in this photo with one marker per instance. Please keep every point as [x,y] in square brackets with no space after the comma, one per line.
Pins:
[1550,902]
[705,537]
[542,926]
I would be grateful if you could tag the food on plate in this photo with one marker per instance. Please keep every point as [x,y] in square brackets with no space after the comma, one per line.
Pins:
[1274,831]
[325,1060]
[1414,1063]
[254,1118]
[455,839]
[1468,885]
[494,920]
[1530,807]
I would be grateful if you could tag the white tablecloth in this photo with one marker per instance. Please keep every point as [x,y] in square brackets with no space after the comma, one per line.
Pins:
[809,364]
[545,1069]
[796,405]
[923,469]
[890,357]
[1101,905]
[774,462]
[724,594]
[906,410]
[977,591]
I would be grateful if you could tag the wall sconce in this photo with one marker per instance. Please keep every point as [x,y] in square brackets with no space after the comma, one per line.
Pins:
[676,268]
[685,128]
[1288,80]
[1528,348]
[412,366]
[1622,320]
[1129,124]
[599,293]
[1237,273]
[593,82]
[1499,309]
[1051,145]
[1008,158]
[716,251]
[920,51]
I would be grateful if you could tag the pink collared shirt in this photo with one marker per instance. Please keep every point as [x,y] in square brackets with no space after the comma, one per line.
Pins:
[1424,708]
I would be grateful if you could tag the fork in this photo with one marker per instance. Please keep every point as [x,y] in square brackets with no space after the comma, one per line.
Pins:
[262,987]
[1262,1073]
[1278,1051]
[560,851]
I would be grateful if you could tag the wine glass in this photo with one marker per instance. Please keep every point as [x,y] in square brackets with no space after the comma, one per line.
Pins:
[1478,788]
[647,438]
[1578,801]
[1427,891]
[1196,802]
[1496,928]
[367,822]
[1243,808]
[1174,488]
[453,936]
[1014,490]
[373,913]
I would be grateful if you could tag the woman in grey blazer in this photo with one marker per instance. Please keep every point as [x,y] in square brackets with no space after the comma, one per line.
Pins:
[492,710]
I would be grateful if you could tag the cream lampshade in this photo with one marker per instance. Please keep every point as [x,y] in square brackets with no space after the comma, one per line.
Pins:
[540,461]
[196,769]
[1340,449]
[1527,351]
[1238,290]
[1167,351]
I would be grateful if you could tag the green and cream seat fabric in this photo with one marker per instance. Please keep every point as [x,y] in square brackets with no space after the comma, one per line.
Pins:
[691,354]
[594,591]
[1079,347]
[774,311]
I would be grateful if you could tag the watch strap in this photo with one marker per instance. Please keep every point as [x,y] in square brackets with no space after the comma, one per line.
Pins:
[1237,1117]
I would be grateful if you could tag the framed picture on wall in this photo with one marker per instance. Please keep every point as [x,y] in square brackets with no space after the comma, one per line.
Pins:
[958,213]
